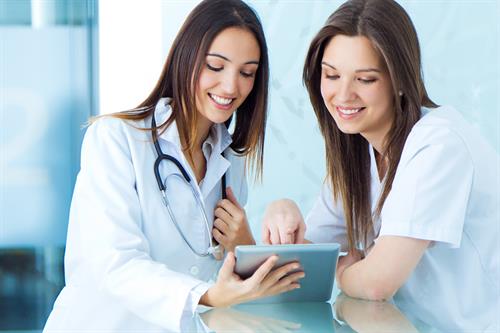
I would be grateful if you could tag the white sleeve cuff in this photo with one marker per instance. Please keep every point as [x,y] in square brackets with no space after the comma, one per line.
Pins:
[195,296]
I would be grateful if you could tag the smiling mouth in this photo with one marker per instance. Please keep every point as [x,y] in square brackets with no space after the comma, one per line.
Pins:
[349,111]
[221,100]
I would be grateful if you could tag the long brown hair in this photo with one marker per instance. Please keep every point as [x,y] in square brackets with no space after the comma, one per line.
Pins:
[390,30]
[179,79]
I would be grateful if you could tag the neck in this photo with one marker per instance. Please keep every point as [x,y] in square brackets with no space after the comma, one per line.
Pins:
[202,131]
[377,137]
[377,142]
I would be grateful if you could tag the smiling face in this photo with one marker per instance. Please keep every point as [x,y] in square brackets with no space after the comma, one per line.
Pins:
[228,76]
[356,88]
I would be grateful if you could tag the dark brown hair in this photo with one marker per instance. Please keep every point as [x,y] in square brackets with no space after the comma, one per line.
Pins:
[179,78]
[390,30]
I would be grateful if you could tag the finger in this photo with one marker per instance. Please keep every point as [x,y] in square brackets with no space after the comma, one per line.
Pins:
[274,235]
[265,235]
[222,226]
[292,278]
[300,234]
[230,195]
[286,235]
[280,272]
[281,289]
[219,237]
[263,270]
[223,214]
[227,268]
[230,208]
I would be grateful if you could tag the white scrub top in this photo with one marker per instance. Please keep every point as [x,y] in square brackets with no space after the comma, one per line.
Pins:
[126,266]
[446,190]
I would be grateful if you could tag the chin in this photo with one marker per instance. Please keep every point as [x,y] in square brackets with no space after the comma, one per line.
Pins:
[347,129]
[219,118]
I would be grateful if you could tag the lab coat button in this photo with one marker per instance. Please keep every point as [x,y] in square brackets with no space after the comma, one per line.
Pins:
[194,270]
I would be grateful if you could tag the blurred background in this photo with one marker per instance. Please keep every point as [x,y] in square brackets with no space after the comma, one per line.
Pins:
[62,61]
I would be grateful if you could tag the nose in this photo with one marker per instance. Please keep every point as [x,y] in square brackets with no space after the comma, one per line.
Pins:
[229,83]
[345,92]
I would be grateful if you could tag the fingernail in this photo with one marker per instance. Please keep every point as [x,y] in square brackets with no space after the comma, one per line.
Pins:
[297,287]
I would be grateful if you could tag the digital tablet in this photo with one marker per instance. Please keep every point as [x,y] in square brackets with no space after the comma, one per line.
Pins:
[318,261]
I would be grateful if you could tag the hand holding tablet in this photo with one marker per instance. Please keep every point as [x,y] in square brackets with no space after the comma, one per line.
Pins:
[318,261]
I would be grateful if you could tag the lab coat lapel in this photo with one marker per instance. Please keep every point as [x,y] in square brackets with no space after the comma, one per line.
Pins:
[217,164]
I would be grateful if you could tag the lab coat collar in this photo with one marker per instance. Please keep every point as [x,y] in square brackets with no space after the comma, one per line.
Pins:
[219,139]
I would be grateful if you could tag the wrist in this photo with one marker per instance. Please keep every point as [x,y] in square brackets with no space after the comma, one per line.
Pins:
[207,298]
[213,298]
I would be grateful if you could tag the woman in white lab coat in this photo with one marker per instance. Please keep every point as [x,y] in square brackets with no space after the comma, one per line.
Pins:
[412,190]
[142,259]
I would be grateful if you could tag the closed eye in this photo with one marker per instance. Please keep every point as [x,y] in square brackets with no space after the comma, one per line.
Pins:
[246,74]
[367,81]
[332,77]
[215,69]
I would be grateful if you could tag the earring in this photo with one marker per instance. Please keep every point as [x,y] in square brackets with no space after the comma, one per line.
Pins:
[400,93]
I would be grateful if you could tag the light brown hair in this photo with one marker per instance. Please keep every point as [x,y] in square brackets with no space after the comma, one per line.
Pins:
[391,32]
[179,79]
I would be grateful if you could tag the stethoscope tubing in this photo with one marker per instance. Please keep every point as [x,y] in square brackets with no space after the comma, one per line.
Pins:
[214,250]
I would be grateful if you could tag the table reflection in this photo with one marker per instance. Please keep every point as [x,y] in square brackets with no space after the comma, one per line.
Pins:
[369,316]
[283,317]
[352,315]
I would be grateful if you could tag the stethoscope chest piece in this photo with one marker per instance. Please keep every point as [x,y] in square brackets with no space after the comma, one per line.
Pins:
[217,252]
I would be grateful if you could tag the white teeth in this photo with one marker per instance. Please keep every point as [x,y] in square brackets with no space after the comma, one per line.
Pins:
[221,100]
[348,111]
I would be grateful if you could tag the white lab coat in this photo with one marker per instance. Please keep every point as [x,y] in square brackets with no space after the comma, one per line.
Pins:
[126,266]
[445,190]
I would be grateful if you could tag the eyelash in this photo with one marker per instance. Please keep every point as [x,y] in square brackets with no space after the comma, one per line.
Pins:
[215,69]
[218,69]
[364,81]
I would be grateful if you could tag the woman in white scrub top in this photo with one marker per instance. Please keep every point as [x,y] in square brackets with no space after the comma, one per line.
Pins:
[127,266]
[412,190]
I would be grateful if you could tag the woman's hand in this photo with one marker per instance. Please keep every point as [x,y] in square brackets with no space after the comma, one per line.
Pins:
[230,289]
[231,226]
[283,223]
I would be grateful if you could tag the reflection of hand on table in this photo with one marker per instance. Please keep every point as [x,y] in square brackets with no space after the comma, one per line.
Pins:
[230,320]
[371,316]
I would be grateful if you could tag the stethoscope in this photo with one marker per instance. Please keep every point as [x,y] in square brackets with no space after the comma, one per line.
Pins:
[215,250]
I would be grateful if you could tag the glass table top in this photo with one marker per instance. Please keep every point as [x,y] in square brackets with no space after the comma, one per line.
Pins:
[343,314]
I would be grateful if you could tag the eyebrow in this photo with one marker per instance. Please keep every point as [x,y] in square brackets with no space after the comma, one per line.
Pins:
[252,62]
[363,70]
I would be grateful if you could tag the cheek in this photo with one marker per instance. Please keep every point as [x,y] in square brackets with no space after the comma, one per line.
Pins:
[379,95]
[246,87]
[326,89]
[206,81]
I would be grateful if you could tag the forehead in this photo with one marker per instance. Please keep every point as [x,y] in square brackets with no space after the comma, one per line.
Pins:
[347,52]
[236,42]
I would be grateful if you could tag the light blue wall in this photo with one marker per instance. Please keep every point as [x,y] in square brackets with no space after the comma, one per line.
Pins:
[45,99]
[460,45]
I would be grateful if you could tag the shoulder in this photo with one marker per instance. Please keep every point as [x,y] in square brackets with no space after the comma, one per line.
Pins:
[109,128]
[442,129]
[110,135]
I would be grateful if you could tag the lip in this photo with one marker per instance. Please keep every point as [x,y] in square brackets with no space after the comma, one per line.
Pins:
[220,106]
[349,116]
